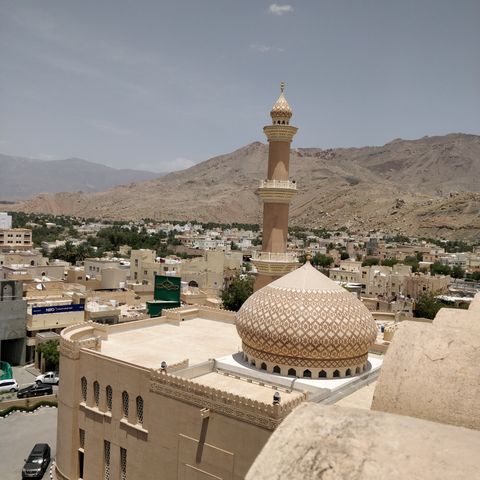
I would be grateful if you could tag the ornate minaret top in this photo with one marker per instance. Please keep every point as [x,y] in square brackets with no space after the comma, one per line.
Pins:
[281,111]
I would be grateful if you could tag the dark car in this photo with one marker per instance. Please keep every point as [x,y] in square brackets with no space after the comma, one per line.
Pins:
[37,462]
[35,391]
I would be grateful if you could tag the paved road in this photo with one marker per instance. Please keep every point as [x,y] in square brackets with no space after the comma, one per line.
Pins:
[19,432]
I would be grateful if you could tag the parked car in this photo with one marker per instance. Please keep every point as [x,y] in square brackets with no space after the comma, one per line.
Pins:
[50,378]
[9,385]
[35,391]
[37,462]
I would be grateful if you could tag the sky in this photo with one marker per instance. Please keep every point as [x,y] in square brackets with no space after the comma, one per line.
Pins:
[160,85]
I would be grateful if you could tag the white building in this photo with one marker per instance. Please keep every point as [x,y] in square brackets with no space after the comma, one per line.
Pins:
[5,220]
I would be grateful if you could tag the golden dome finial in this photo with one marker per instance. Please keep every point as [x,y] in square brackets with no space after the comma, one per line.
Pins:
[308,256]
[281,111]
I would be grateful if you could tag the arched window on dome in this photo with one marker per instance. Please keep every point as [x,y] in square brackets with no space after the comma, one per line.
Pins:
[336,374]
[307,374]
[357,370]
[292,372]
[263,366]
[253,363]
[276,369]
[348,372]
[322,374]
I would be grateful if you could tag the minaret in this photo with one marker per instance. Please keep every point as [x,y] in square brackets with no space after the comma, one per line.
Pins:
[277,191]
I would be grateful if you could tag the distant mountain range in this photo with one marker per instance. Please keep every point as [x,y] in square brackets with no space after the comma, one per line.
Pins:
[24,177]
[429,186]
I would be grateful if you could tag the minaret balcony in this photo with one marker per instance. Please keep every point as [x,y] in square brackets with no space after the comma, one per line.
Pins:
[270,263]
[277,191]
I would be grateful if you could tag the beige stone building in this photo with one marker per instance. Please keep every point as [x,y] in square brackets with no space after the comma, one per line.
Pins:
[16,239]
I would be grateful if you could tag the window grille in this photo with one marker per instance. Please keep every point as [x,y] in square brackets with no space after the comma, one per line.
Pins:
[123,464]
[83,383]
[125,404]
[82,438]
[139,410]
[96,393]
[109,395]
[106,460]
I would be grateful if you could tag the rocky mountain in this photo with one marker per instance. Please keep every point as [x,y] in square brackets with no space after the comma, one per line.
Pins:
[429,186]
[23,177]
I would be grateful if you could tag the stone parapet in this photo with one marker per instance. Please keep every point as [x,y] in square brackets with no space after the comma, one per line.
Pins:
[278,264]
[258,413]
[280,133]
[277,191]
[345,443]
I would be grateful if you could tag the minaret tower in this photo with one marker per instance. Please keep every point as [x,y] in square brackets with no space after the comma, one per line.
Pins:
[277,191]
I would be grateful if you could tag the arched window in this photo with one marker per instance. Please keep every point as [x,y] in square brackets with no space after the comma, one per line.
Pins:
[109,396]
[357,370]
[139,402]
[253,362]
[322,374]
[83,387]
[96,393]
[192,283]
[276,369]
[292,372]
[307,374]
[348,372]
[263,366]
[336,374]
[125,401]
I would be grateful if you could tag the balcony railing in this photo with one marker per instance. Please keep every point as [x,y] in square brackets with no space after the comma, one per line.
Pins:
[287,257]
[278,184]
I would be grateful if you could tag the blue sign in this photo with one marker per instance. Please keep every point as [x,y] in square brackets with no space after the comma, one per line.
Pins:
[76,307]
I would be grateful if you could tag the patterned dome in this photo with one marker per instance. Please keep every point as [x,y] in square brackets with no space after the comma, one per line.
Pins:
[304,320]
[281,108]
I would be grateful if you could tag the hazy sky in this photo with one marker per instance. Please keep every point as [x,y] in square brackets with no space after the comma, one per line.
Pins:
[160,85]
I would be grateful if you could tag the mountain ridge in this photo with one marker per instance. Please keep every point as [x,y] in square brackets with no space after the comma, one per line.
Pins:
[427,186]
[23,177]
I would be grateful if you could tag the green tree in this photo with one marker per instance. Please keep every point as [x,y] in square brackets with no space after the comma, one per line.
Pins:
[49,351]
[438,268]
[458,272]
[369,261]
[427,306]
[237,292]
[413,262]
[475,276]
[322,260]
[389,262]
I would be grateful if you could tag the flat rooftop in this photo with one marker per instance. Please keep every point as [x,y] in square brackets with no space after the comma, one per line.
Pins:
[244,388]
[197,339]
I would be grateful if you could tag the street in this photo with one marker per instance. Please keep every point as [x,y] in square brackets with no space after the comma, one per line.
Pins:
[19,433]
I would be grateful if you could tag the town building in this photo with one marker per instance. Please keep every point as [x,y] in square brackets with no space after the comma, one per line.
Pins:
[16,239]
[5,221]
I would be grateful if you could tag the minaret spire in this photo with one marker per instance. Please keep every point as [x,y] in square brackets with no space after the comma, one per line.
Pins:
[276,191]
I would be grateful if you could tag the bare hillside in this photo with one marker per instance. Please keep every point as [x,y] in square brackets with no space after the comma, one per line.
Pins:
[425,186]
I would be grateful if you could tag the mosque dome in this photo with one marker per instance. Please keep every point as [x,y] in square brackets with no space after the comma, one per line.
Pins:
[281,109]
[306,325]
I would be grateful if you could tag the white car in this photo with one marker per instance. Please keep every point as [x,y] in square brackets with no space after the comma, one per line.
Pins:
[50,378]
[9,385]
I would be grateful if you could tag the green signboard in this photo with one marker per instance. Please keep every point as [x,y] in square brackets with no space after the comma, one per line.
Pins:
[166,295]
